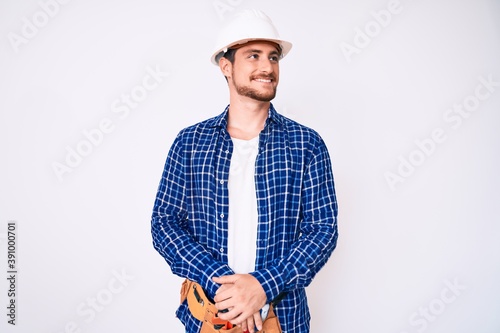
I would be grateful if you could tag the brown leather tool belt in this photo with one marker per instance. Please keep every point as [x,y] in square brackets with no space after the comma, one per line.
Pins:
[204,310]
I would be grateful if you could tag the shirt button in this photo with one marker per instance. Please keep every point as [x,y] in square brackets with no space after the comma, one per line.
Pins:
[227,151]
[221,250]
[222,215]
[221,182]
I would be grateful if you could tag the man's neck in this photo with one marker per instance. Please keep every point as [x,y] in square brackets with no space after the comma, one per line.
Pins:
[246,118]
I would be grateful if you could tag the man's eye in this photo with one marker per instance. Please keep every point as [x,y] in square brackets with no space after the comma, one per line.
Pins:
[274,58]
[254,56]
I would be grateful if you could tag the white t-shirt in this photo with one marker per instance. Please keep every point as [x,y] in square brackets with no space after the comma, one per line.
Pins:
[243,218]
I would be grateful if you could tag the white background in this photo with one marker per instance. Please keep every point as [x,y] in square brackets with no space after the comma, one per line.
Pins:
[399,248]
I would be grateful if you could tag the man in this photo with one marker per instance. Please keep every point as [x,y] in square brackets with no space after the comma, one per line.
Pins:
[246,206]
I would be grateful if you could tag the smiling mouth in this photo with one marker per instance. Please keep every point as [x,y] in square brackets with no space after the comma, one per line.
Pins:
[264,80]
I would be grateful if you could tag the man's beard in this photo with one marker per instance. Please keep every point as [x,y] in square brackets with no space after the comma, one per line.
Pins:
[255,94]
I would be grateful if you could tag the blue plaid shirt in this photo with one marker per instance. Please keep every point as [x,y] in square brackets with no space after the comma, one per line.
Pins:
[297,212]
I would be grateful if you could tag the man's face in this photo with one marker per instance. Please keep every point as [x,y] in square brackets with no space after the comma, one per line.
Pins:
[255,72]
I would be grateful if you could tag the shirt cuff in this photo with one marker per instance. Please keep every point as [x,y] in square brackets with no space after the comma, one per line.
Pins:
[271,279]
[216,270]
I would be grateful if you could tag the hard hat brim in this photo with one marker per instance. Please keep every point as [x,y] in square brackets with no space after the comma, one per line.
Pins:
[285,46]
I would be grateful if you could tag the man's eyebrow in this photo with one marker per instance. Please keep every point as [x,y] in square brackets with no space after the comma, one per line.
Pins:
[260,51]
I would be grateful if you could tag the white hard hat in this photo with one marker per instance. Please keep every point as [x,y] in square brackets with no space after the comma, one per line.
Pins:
[246,26]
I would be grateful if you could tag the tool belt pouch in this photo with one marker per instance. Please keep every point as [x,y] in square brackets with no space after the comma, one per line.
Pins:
[204,310]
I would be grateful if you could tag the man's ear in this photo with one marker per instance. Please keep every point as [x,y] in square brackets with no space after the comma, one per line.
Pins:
[225,67]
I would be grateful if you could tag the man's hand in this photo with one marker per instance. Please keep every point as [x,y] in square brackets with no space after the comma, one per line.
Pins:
[243,296]
[252,324]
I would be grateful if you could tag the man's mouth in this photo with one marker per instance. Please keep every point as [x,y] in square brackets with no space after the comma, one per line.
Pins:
[264,80]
